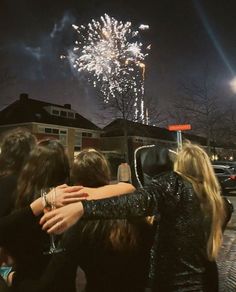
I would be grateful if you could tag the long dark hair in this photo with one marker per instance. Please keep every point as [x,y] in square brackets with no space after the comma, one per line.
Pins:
[47,166]
[91,169]
[15,148]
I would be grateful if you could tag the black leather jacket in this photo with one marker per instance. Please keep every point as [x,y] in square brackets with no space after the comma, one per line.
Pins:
[178,258]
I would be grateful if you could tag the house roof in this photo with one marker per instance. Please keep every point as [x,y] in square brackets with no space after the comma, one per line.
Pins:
[25,110]
[115,128]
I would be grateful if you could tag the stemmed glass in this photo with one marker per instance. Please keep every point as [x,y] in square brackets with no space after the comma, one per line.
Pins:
[51,205]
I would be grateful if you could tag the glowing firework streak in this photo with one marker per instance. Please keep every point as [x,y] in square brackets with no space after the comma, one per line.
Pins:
[111,53]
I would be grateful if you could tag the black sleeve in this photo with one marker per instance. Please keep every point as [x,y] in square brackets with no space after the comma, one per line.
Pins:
[60,274]
[138,204]
[14,225]
[143,202]
[7,194]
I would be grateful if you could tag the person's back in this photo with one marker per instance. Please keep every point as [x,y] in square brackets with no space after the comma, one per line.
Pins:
[151,162]
[47,165]
[15,148]
[113,253]
[8,184]
[183,231]
[108,268]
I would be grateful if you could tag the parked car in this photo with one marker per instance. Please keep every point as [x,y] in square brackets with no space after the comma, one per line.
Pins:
[232,164]
[227,179]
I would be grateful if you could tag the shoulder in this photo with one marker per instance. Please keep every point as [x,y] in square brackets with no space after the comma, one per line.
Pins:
[169,177]
[171,184]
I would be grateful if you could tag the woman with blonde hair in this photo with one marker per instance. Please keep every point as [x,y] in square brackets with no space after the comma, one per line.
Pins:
[193,164]
[190,214]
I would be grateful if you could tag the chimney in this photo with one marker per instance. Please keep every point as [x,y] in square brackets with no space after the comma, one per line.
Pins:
[67,105]
[24,96]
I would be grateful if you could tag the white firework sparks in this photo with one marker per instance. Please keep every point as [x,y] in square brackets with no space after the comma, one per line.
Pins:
[144,26]
[111,53]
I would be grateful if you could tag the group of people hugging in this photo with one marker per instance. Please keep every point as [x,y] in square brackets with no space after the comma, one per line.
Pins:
[161,236]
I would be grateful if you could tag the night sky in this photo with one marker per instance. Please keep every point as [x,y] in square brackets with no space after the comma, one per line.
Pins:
[185,36]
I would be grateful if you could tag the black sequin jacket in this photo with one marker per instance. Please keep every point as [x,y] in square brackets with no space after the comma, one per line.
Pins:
[178,256]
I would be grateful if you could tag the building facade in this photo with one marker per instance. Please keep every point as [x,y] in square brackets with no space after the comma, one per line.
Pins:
[47,120]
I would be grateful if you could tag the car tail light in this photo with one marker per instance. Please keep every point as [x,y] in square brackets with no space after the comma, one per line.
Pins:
[233,177]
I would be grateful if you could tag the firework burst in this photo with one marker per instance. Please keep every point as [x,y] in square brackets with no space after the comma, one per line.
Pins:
[113,56]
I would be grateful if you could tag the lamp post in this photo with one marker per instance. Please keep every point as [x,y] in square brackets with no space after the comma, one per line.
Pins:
[179,129]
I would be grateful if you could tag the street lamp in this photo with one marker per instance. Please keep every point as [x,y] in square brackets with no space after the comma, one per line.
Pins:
[233,84]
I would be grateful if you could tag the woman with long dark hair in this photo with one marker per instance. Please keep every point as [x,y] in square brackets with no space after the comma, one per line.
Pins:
[46,166]
[15,149]
[16,145]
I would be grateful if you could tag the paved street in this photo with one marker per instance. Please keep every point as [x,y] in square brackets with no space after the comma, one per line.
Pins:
[227,257]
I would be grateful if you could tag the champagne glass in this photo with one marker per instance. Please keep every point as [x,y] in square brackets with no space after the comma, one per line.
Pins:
[51,205]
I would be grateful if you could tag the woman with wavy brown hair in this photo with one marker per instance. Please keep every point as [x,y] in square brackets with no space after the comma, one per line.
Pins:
[112,253]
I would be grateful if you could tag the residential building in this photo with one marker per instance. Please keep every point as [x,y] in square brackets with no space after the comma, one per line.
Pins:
[48,120]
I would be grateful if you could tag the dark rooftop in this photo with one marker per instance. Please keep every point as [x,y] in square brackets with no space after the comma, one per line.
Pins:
[26,110]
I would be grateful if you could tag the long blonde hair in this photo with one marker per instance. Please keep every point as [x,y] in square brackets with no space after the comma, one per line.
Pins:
[193,164]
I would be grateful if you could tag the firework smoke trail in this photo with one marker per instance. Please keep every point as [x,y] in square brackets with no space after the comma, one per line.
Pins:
[112,55]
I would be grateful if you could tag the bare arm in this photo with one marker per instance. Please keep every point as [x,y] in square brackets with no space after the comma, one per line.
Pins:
[138,204]
[98,193]
[67,195]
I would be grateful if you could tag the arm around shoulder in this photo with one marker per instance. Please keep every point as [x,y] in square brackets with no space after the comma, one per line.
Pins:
[109,191]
